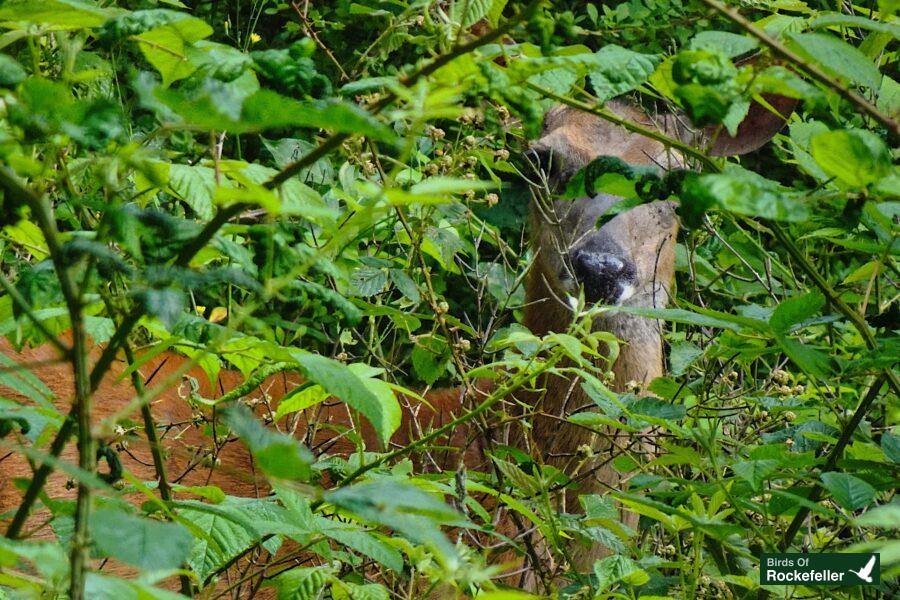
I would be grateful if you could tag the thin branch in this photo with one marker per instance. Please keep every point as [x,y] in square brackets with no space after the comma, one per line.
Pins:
[836,452]
[818,74]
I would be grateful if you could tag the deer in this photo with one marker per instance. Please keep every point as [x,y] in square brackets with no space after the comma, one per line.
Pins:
[628,261]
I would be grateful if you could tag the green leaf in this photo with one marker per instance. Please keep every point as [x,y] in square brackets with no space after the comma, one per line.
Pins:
[614,569]
[166,304]
[11,72]
[658,409]
[166,47]
[833,19]
[730,44]
[700,317]
[430,358]
[468,12]
[278,455]
[615,70]
[140,542]
[382,410]
[809,359]
[406,285]
[403,508]
[439,186]
[755,472]
[890,445]
[303,583]
[682,355]
[368,281]
[885,517]
[229,527]
[743,192]
[104,587]
[794,311]
[848,491]
[300,399]
[855,157]
[343,590]
[836,56]
[266,109]
[64,14]
[195,186]
[363,542]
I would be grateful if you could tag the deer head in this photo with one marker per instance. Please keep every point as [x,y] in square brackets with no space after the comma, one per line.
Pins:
[628,259]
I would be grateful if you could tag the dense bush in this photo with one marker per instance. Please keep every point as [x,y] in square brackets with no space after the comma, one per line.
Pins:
[331,187]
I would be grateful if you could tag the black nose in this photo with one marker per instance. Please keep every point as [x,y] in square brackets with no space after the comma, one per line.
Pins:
[606,277]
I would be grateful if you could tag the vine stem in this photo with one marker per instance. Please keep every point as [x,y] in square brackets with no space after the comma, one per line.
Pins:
[42,213]
[817,73]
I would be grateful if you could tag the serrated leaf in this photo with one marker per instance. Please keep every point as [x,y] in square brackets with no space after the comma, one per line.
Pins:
[744,192]
[404,508]
[362,394]
[852,493]
[614,569]
[887,517]
[300,399]
[230,528]
[194,185]
[368,281]
[303,583]
[890,445]
[277,454]
[406,285]
[344,590]
[67,14]
[265,109]
[837,56]
[468,12]
[166,47]
[104,587]
[615,70]
[682,355]
[140,542]
[724,42]
[755,472]
[794,311]
[659,409]
[166,304]
[855,157]
[430,358]
[363,542]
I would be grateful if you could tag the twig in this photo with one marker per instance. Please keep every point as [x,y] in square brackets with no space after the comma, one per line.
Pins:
[831,461]
[818,74]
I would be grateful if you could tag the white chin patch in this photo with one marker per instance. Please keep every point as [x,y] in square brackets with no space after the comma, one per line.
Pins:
[627,292]
[573,302]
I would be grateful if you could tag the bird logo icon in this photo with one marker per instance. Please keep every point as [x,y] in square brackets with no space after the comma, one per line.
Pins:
[866,572]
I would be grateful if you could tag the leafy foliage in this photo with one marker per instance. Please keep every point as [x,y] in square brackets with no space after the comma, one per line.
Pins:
[327,189]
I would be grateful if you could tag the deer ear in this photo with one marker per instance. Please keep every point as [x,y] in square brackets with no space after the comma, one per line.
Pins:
[758,127]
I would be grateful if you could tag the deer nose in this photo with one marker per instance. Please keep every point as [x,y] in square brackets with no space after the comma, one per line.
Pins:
[606,278]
